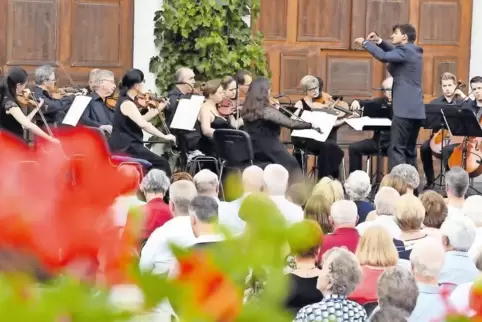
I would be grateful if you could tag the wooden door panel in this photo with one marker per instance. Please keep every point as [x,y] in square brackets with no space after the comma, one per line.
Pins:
[439,22]
[274,22]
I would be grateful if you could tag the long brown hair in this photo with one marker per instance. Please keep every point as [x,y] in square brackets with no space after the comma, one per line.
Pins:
[257,98]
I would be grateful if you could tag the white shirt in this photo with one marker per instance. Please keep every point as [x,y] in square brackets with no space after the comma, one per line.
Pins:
[476,246]
[385,221]
[228,215]
[290,211]
[156,255]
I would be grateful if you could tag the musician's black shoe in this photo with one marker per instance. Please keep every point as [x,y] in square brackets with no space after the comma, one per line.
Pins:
[429,186]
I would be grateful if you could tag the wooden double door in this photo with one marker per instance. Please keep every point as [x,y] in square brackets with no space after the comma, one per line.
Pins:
[74,36]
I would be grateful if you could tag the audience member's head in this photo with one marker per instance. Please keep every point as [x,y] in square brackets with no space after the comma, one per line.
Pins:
[458,233]
[181,193]
[298,193]
[427,259]
[340,273]
[252,179]
[155,184]
[204,215]
[396,182]
[318,209]
[435,209]
[389,314]
[275,178]
[181,176]
[376,248]
[473,209]
[311,250]
[456,183]
[343,213]
[134,178]
[207,183]
[358,185]
[409,173]
[386,200]
[397,287]
[409,213]
[331,189]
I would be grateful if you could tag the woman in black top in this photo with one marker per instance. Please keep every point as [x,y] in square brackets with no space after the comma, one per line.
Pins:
[12,118]
[128,123]
[263,123]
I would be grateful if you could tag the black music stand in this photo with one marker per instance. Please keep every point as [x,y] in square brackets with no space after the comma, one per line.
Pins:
[462,122]
[435,121]
[376,109]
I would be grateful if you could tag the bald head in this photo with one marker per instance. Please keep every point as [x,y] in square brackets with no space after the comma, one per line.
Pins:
[252,179]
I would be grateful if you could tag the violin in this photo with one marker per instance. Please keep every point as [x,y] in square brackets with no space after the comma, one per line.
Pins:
[226,107]
[337,107]
[26,100]
[148,100]
[111,100]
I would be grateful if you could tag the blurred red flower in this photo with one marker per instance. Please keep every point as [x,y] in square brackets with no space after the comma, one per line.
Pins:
[56,199]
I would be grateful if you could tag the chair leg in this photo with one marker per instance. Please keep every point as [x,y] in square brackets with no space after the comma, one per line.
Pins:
[343,171]
[221,187]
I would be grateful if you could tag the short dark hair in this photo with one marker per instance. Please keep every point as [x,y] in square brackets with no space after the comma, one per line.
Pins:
[240,77]
[476,79]
[406,29]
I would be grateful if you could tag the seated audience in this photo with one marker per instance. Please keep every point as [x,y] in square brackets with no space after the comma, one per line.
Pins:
[435,213]
[473,210]
[388,314]
[397,288]
[207,184]
[181,176]
[304,277]
[385,204]
[275,179]
[204,218]
[375,252]
[458,235]
[298,194]
[358,188]
[427,259]
[456,186]
[156,255]
[330,188]
[343,217]
[409,216]
[410,174]
[396,182]
[339,276]
[317,208]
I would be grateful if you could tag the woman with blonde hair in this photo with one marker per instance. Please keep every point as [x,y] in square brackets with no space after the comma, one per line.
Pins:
[375,252]
[331,189]
[396,182]
[317,208]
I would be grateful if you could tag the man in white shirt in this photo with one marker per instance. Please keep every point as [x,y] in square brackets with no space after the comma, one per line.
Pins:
[275,179]
[204,217]
[207,184]
[156,255]
[252,181]
[456,186]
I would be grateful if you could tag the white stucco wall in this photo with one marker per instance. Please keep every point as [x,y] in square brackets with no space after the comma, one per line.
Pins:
[476,41]
[144,48]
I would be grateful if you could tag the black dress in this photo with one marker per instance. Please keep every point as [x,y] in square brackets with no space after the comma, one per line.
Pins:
[265,137]
[329,153]
[302,292]
[206,144]
[127,137]
[7,121]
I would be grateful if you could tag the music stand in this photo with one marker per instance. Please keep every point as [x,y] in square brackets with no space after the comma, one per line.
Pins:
[434,121]
[376,109]
[462,122]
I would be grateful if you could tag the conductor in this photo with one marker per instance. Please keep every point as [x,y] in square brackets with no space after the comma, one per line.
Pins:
[405,64]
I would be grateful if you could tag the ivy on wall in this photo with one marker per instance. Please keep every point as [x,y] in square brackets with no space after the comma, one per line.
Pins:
[209,36]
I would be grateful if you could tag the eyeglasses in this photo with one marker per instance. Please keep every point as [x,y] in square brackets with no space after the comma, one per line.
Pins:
[312,89]
[108,80]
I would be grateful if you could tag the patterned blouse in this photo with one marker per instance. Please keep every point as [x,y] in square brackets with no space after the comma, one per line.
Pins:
[333,308]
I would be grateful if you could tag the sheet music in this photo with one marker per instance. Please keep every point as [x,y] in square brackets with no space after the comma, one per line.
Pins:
[323,120]
[76,110]
[360,122]
[186,113]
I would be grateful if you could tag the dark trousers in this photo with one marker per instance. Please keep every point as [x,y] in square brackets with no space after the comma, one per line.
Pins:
[141,152]
[403,145]
[357,150]
[427,159]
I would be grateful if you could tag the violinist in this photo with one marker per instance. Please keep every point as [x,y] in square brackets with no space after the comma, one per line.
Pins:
[129,123]
[185,82]
[452,95]
[263,123]
[12,118]
[54,108]
[243,80]
[329,153]
[213,116]
[97,114]
[357,150]
[229,104]
[92,77]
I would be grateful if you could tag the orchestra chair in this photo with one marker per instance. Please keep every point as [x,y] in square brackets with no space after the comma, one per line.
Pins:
[370,307]
[235,151]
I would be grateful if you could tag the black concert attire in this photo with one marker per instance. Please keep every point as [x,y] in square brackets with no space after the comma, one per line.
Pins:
[54,110]
[329,153]
[357,150]
[425,150]
[7,121]
[97,113]
[302,292]
[206,144]
[265,137]
[127,137]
